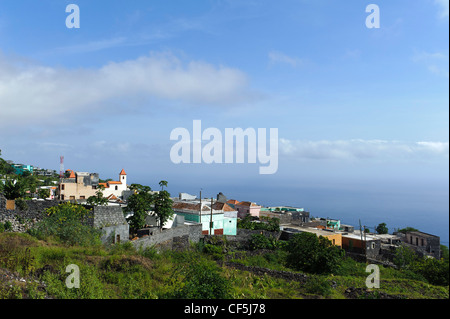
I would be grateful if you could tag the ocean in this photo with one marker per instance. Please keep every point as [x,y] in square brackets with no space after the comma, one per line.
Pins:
[424,208]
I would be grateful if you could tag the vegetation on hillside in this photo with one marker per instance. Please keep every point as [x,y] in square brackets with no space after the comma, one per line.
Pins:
[216,269]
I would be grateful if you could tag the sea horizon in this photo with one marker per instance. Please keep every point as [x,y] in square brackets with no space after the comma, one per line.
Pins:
[426,211]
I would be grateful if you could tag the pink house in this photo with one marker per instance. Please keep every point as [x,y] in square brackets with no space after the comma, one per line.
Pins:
[245,208]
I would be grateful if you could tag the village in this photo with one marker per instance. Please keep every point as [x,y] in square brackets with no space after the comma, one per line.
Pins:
[195,218]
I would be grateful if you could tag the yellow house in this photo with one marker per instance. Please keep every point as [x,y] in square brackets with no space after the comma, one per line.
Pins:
[335,238]
[79,185]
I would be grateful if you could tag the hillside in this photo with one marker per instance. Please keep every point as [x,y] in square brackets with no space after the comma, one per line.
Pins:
[32,268]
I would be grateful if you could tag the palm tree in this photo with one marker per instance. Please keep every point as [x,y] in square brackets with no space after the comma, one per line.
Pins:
[163,184]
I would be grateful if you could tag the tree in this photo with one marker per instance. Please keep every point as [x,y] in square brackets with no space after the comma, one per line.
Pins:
[382,229]
[140,203]
[309,253]
[98,199]
[13,190]
[163,206]
[163,184]
[407,229]
[44,193]
[404,257]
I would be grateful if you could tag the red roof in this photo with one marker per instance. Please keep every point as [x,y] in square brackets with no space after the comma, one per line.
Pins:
[123,172]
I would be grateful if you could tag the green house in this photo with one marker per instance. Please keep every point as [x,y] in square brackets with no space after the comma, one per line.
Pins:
[222,220]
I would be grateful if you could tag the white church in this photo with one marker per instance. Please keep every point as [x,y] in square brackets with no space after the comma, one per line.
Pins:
[115,188]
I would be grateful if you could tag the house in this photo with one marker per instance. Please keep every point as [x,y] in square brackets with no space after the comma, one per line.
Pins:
[325,223]
[361,244]
[19,169]
[232,203]
[78,186]
[186,196]
[335,238]
[112,223]
[218,218]
[116,188]
[247,208]
[285,214]
[422,243]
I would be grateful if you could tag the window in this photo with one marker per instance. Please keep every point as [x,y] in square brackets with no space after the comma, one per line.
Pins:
[417,241]
[118,239]
[422,242]
[373,245]
[82,197]
[62,187]
[117,187]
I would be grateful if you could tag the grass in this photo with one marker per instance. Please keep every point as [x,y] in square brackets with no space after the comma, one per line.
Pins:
[121,272]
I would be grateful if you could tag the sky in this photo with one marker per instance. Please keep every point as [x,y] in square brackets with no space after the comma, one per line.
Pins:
[362,113]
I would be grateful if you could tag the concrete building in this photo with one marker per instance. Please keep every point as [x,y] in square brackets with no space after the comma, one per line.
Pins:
[186,196]
[285,214]
[365,245]
[247,208]
[19,169]
[220,220]
[424,244]
[289,231]
[78,186]
[112,223]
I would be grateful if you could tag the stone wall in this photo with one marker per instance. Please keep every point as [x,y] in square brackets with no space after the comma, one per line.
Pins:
[22,220]
[111,221]
[173,238]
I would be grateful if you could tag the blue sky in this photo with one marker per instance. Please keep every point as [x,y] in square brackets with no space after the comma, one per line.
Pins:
[356,108]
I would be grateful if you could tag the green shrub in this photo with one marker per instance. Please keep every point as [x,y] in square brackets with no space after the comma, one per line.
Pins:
[21,204]
[269,224]
[258,241]
[67,223]
[7,225]
[309,253]
[203,281]
[436,272]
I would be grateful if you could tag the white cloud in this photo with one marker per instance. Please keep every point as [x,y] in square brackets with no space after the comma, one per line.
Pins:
[362,149]
[436,62]
[444,4]
[279,57]
[33,93]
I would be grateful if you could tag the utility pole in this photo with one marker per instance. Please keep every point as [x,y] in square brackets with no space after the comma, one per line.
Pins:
[360,230]
[210,220]
[200,205]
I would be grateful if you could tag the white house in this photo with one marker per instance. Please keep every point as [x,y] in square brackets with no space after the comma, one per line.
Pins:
[115,188]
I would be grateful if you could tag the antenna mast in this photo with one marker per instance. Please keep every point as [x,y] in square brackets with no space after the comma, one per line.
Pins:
[61,166]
